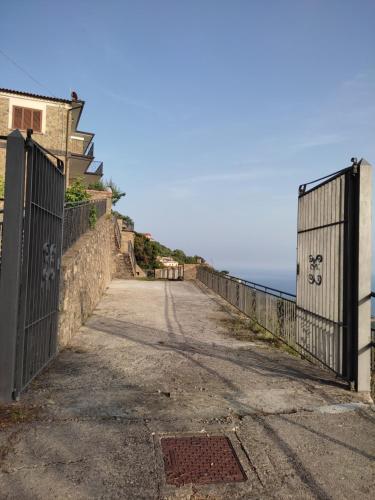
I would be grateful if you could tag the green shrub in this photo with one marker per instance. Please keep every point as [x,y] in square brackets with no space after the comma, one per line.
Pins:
[93,216]
[128,220]
[76,192]
[147,251]
[98,186]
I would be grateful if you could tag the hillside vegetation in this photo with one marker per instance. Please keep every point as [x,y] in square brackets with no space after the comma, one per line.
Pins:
[147,251]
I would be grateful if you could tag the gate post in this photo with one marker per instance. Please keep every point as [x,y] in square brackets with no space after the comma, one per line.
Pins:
[11,260]
[363,343]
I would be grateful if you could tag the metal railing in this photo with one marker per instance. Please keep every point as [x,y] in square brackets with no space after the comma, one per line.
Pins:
[95,167]
[272,309]
[127,226]
[117,232]
[78,219]
[132,256]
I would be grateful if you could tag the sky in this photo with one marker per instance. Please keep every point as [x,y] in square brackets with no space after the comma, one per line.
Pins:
[208,113]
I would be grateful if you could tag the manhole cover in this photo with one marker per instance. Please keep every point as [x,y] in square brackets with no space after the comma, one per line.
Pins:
[200,460]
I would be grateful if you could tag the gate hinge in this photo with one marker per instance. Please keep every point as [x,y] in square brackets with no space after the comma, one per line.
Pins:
[16,395]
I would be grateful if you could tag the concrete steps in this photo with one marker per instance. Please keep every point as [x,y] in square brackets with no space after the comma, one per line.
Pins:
[124,268]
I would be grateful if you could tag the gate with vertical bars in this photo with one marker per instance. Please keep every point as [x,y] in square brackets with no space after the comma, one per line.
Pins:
[327,264]
[31,255]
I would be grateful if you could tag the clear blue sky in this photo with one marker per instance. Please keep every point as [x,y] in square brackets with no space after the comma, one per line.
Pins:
[209,114]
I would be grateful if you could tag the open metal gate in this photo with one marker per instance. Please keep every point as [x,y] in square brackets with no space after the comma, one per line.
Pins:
[31,255]
[327,271]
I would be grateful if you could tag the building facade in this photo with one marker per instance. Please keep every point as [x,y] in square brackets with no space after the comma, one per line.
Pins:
[168,261]
[54,122]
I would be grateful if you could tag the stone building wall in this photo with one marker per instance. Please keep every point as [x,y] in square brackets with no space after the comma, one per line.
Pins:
[4,109]
[55,136]
[52,138]
[87,269]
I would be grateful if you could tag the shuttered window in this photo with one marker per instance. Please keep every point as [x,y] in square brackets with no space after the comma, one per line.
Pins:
[24,118]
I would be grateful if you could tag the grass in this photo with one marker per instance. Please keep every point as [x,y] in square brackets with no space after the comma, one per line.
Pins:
[249,330]
[16,414]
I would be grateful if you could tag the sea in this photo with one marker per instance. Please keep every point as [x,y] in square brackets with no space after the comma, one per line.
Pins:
[282,280]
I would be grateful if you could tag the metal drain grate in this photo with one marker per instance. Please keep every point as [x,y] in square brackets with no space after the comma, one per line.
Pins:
[200,460]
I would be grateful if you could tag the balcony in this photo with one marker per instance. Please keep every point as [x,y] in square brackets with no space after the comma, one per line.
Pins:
[84,166]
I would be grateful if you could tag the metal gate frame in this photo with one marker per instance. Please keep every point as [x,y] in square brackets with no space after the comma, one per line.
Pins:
[31,256]
[353,328]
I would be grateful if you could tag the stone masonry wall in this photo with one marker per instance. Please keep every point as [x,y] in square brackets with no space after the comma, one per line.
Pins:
[87,269]
[54,137]
[4,109]
[55,134]
[190,271]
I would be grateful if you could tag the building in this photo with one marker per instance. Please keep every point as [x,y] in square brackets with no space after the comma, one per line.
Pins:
[54,122]
[168,261]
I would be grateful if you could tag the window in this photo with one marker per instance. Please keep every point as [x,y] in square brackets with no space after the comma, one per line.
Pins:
[24,118]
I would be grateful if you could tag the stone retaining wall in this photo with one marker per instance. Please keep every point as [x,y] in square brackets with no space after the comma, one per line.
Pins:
[190,271]
[87,268]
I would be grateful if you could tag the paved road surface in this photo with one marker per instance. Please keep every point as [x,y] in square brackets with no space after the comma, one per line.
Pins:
[157,359]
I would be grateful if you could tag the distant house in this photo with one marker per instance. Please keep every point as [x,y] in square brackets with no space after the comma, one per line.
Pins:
[55,126]
[168,261]
[148,236]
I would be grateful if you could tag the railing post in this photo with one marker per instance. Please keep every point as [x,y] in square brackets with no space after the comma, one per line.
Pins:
[363,347]
[11,260]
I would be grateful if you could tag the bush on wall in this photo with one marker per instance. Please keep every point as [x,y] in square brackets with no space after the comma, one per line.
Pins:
[76,192]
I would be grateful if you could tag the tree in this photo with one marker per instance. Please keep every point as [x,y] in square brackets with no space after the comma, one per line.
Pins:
[179,255]
[147,252]
[117,194]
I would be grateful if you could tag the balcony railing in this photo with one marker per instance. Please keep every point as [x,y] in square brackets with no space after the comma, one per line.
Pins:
[95,168]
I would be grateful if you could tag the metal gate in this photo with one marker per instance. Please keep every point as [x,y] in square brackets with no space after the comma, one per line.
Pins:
[32,241]
[327,268]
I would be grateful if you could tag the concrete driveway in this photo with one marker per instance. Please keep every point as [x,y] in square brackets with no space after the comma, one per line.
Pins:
[161,359]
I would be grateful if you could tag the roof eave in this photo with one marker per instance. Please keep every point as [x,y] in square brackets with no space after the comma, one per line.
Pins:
[35,96]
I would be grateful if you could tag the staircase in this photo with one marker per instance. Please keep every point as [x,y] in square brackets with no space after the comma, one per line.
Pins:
[125,260]
[124,269]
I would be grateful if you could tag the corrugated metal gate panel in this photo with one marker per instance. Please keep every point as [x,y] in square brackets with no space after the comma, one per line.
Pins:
[321,247]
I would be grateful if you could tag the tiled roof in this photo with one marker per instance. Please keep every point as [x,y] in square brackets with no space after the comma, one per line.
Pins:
[37,96]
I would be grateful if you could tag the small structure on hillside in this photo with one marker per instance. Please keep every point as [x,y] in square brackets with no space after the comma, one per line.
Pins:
[167,261]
